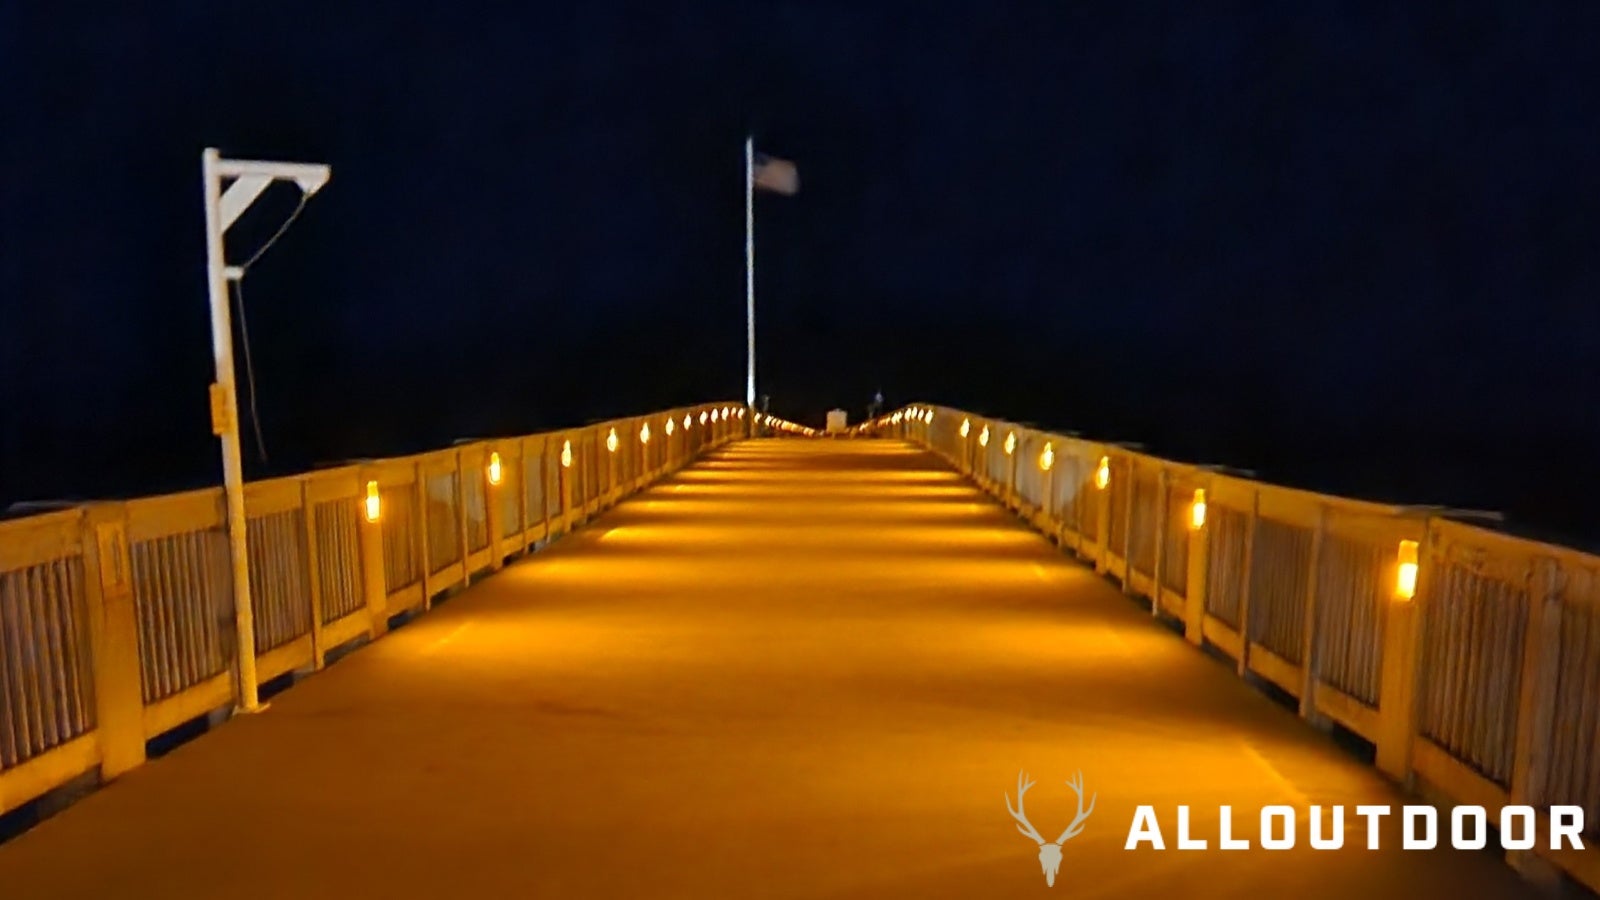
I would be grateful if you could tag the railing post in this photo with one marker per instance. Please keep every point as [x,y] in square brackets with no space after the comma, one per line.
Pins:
[1047,498]
[1308,636]
[996,483]
[1536,706]
[419,496]
[1012,499]
[1246,578]
[627,454]
[1401,675]
[1162,501]
[493,516]
[113,639]
[308,516]
[534,521]
[646,459]
[1127,526]
[1102,519]
[642,478]
[550,489]
[524,511]
[1196,582]
[565,461]
[614,489]
[461,516]
[374,581]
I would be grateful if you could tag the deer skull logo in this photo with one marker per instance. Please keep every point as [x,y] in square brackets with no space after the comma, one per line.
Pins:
[1050,852]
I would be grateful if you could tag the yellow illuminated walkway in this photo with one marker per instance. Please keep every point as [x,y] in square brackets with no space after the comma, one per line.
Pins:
[796,669]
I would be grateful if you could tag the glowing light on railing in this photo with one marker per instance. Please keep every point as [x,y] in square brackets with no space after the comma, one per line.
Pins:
[688,421]
[927,416]
[671,425]
[1047,456]
[1197,510]
[703,415]
[983,437]
[644,433]
[1405,583]
[374,504]
[611,441]
[494,468]
[966,427]
[566,454]
[1102,473]
[1011,442]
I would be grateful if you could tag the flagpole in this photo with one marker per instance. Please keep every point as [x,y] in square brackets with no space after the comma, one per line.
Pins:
[750,273]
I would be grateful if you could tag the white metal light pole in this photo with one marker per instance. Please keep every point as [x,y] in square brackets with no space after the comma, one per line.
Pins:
[750,273]
[223,208]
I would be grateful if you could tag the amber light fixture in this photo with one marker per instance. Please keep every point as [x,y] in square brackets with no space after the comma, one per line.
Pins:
[374,504]
[1405,586]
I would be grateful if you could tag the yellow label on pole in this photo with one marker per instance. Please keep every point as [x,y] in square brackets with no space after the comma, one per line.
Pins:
[221,422]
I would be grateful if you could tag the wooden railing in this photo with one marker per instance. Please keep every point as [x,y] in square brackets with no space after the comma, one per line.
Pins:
[116,619]
[1482,687]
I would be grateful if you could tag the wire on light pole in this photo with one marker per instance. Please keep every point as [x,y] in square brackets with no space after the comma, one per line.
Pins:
[277,234]
[249,368]
[244,325]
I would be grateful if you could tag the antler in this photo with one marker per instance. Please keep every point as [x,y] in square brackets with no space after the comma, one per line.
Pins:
[1076,783]
[1023,825]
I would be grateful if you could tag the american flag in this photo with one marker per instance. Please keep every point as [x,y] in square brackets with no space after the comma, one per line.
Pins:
[773,174]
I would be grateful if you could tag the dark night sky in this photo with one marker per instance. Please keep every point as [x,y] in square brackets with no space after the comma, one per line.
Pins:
[1352,247]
